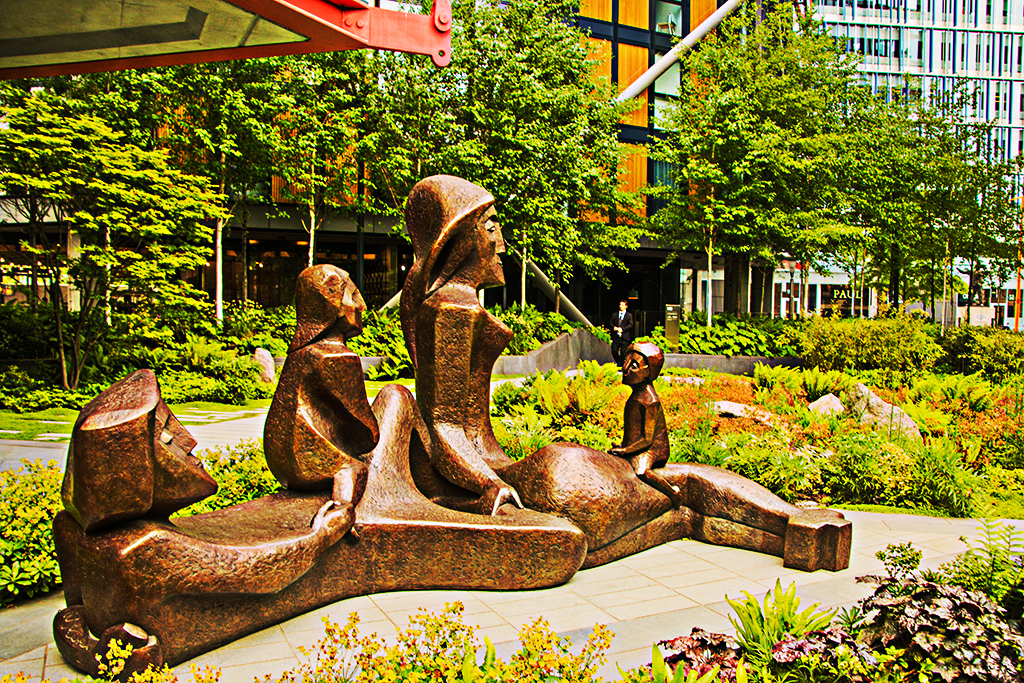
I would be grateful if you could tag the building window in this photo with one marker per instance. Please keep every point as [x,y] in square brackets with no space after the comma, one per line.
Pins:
[668,17]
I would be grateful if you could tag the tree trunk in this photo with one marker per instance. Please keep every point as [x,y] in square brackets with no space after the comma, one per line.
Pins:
[245,252]
[804,289]
[931,286]
[709,300]
[894,275]
[522,288]
[558,292]
[311,208]
[218,252]
[943,326]
[55,300]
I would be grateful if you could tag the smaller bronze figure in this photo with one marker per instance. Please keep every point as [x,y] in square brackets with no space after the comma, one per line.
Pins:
[645,436]
[320,426]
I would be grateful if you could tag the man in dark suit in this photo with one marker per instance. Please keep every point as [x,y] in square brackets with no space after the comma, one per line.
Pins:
[621,326]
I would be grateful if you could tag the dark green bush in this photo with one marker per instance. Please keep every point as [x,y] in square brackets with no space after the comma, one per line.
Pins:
[993,351]
[248,326]
[731,336]
[962,634]
[382,336]
[899,344]
[531,327]
[29,499]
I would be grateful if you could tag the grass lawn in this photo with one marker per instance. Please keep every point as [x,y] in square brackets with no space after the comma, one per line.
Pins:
[29,426]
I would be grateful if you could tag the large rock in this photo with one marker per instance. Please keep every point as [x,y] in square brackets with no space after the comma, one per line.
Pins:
[268,371]
[733,409]
[829,404]
[874,411]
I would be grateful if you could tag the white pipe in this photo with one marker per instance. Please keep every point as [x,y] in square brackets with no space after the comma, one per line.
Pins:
[673,55]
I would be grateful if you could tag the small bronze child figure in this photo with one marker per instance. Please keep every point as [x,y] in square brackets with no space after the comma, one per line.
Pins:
[645,436]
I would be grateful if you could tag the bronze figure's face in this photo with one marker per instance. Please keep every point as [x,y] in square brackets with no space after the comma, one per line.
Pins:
[350,310]
[643,363]
[491,245]
[635,369]
[325,296]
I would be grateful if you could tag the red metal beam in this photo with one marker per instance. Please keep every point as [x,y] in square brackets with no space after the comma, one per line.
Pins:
[327,27]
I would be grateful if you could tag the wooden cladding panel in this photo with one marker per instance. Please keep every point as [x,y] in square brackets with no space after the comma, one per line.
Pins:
[701,10]
[634,13]
[596,9]
[633,177]
[632,63]
[601,52]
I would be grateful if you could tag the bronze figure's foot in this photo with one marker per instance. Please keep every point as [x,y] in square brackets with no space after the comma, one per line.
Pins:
[84,651]
[334,520]
[818,539]
[495,497]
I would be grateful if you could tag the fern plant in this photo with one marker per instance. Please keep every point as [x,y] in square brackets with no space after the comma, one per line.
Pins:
[759,627]
[993,566]
[818,383]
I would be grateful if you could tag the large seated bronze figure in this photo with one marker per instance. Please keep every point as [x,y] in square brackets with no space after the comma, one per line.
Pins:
[412,493]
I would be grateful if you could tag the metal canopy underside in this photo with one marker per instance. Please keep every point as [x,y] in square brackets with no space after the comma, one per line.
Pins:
[49,37]
[58,32]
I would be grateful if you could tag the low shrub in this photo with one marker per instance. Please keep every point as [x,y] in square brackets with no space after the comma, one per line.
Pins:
[960,635]
[443,648]
[585,408]
[42,399]
[29,500]
[992,351]
[241,474]
[865,468]
[899,344]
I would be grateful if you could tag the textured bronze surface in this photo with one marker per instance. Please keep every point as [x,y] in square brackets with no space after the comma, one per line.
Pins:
[197,583]
[320,425]
[129,457]
[406,494]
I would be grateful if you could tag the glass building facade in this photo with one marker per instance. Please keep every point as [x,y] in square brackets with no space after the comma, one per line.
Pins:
[941,42]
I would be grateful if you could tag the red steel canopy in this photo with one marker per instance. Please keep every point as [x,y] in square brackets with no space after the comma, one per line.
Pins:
[53,37]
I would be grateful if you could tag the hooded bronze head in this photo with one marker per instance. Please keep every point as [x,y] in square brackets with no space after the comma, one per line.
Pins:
[456,239]
[326,297]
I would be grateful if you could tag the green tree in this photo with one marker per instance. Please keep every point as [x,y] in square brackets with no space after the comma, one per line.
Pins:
[755,139]
[520,112]
[316,132]
[131,222]
[219,123]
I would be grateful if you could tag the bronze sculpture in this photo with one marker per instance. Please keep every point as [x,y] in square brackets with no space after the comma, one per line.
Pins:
[429,496]
[621,513]
[644,434]
[452,339]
